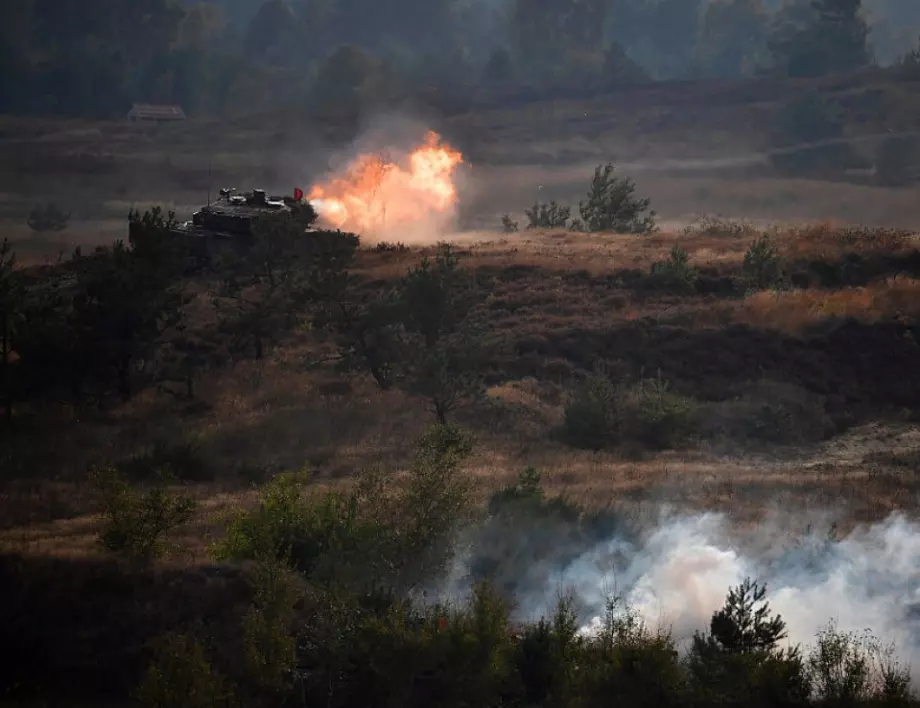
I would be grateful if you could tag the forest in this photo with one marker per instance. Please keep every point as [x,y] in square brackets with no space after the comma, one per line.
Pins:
[92,59]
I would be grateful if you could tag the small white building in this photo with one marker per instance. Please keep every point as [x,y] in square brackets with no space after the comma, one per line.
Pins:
[151,113]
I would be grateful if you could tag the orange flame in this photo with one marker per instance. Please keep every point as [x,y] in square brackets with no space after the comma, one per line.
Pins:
[378,197]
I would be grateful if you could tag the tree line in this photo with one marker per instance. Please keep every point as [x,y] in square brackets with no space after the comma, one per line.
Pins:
[101,326]
[94,58]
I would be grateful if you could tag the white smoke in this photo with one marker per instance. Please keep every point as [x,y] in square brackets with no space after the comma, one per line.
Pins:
[678,573]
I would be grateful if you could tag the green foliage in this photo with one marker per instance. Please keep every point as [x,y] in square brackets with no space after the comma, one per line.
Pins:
[267,287]
[124,304]
[547,216]
[847,669]
[602,414]
[676,273]
[592,416]
[612,205]
[632,664]
[762,266]
[180,676]
[268,640]
[739,657]
[368,535]
[48,217]
[655,416]
[744,623]
[137,525]
[436,299]
[436,296]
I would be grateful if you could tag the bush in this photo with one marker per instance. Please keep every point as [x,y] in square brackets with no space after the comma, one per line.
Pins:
[675,274]
[612,205]
[137,525]
[762,266]
[508,225]
[602,414]
[773,413]
[847,669]
[368,535]
[268,639]
[180,676]
[592,416]
[547,216]
[655,416]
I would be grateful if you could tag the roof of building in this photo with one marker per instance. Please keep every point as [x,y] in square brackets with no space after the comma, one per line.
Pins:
[157,112]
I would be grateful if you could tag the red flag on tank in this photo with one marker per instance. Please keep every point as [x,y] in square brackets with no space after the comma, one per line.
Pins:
[298,193]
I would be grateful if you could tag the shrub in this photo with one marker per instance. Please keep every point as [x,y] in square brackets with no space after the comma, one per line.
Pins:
[628,664]
[269,643]
[592,416]
[315,531]
[612,205]
[137,525]
[847,669]
[367,535]
[602,414]
[655,416]
[508,225]
[762,266]
[771,412]
[180,676]
[675,274]
[548,216]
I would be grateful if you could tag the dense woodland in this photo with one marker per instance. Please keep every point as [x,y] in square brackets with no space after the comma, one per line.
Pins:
[93,58]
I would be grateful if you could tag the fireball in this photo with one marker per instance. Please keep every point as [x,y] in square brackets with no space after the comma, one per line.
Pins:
[379,197]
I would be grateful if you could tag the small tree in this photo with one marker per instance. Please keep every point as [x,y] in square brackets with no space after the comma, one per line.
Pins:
[48,218]
[436,296]
[137,525]
[762,266]
[436,301]
[676,273]
[509,226]
[548,216]
[180,676]
[744,623]
[612,205]
[126,299]
[267,287]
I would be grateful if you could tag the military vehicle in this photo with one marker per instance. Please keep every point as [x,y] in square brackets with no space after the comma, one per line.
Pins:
[232,215]
[227,222]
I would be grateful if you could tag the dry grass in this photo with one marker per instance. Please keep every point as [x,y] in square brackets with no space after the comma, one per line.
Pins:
[793,312]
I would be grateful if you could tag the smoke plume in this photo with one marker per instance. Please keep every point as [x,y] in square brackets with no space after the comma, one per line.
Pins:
[676,574]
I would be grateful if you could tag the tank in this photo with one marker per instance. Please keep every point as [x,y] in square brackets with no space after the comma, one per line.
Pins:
[232,215]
